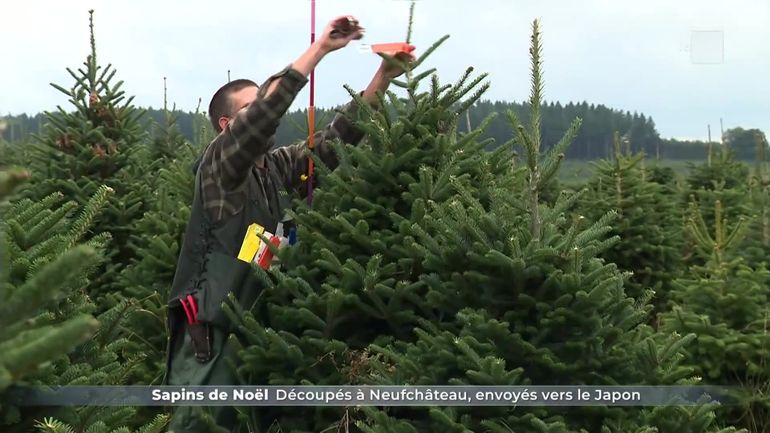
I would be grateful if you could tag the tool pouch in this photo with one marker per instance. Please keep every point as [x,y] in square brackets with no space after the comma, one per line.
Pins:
[200,334]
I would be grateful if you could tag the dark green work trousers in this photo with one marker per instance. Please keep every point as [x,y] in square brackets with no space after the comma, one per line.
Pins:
[186,370]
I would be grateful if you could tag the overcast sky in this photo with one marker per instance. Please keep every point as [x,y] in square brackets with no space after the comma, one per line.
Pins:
[664,58]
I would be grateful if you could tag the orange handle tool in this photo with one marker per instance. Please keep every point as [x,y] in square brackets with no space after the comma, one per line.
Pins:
[392,49]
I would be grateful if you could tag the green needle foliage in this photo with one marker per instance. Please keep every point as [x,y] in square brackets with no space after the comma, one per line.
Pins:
[97,141]
[45,264]
[425,260]
[354,277]
[648,223]
[724,302]
[538,307]
[51,332]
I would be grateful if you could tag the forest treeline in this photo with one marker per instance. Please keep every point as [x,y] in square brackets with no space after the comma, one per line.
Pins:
[593,141]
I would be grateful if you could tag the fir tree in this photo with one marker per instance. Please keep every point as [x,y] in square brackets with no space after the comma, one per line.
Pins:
[648,223]
[425,260]
[203,133]
[45,265]
[353,278]
[663,175]
[725,303]
[48,316]
[167,141]
[756,247]
[98,142]
[156,248]
[538,307]
[723,179]
[49,333]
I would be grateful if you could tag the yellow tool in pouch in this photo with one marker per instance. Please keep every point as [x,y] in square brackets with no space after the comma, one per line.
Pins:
[251,243]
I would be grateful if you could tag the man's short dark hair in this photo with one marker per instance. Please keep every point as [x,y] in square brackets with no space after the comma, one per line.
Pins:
[221,105]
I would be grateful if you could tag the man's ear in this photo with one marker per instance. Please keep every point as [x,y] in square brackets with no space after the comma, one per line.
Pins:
[223,121]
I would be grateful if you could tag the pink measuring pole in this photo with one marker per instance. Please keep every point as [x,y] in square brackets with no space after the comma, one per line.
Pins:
[311,113]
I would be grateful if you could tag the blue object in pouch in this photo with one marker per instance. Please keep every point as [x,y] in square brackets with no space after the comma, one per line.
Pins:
[292,236]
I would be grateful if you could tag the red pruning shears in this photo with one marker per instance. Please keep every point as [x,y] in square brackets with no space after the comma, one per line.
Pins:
[191,310]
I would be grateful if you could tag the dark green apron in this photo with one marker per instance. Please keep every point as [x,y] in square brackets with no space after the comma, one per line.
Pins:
[208,269]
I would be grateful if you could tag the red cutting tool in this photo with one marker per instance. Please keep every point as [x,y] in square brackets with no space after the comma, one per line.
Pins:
[191,310]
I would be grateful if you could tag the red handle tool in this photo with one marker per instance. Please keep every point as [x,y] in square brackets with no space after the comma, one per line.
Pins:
[191,310]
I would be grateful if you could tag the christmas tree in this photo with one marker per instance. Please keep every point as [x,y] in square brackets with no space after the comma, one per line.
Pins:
[425,260]
[167,141]
[648,223]
[756,248]
[155,246]
[353,277]
[539,307]
[52,332]
[99,141]
[148,277]
[721,178]
[44,266]
[725,303]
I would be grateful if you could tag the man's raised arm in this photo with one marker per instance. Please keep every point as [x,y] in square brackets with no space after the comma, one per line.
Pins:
[246,138]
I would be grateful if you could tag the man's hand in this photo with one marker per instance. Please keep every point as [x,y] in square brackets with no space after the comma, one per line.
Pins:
[338,33]
[391,70]
[381,80]
[325,44]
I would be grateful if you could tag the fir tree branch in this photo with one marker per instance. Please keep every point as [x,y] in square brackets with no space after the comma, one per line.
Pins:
[89,213]
[428,52]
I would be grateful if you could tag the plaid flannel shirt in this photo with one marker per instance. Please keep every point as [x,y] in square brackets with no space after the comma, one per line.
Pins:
[231,157]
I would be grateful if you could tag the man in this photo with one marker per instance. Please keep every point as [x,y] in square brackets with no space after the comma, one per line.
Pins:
[238,196]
